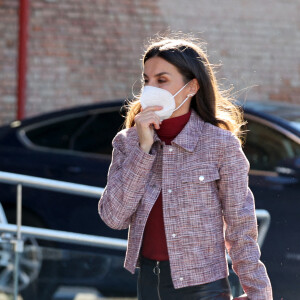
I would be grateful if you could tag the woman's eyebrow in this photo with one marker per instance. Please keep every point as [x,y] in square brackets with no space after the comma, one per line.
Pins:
[157,75]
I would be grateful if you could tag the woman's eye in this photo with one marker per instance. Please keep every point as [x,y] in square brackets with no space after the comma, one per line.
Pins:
[160,81]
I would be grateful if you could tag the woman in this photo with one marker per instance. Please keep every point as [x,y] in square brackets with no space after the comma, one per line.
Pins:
[178,180]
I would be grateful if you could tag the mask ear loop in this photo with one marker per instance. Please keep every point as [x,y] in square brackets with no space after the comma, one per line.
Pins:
[182,88]
[188,96]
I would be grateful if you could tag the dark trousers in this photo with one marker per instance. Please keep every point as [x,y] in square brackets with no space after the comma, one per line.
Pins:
[155,283]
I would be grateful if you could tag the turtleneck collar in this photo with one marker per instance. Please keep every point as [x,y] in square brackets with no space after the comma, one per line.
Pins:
[170,128]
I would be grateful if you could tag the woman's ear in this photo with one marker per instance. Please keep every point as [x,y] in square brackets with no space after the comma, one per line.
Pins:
[194,87]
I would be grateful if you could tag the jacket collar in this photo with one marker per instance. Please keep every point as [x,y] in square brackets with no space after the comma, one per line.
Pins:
[189,135]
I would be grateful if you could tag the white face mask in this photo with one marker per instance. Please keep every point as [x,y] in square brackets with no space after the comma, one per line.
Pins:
[156,96]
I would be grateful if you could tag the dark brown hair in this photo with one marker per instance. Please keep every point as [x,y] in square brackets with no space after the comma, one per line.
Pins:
[211,103]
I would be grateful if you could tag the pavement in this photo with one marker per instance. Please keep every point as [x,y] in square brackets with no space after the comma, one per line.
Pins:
[71,293]
[81,293]
[80,296]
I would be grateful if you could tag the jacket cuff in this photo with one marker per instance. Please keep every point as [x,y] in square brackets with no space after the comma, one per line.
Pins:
[138,161]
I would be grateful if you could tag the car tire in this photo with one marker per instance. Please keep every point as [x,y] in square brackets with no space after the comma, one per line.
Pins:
[38,287]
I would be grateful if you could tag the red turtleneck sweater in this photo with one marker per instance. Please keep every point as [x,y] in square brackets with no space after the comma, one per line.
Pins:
[154,244]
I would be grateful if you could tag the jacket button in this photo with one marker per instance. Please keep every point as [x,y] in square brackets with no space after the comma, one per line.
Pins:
[174,235]
[181,278]
[170,149]
[170,191]
[201,178]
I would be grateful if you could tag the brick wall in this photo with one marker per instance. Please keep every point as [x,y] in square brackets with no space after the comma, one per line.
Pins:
[87,51]
[258,43]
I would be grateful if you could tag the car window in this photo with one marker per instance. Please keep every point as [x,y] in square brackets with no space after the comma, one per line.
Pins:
[89,133]
[56,134]
[97,134]
[266,148]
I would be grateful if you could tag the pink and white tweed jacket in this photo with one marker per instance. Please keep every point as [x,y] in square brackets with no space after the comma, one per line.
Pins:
[207,204]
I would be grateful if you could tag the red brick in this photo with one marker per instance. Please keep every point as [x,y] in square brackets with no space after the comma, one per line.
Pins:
[80,51]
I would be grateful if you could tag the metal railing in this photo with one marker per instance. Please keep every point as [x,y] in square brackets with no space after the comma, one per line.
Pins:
[70,237]
[66,237]
[51,185]
[41,233]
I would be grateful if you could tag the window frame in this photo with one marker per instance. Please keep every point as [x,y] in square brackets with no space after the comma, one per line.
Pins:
[276,127]
[22,132]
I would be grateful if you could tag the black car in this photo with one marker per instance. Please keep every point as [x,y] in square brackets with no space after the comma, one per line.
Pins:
[74,145]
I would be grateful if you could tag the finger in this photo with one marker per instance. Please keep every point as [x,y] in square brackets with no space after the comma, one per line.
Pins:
[153,108]
[149,114]
[157,125]
[148,120]
[153,116]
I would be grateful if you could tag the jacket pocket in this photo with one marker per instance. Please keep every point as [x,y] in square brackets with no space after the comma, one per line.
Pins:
[200,174]
[199,187]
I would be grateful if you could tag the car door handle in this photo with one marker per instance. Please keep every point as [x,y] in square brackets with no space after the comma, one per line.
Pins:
[74,169]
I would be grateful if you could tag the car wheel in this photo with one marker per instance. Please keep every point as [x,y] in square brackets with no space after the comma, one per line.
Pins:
[32,279]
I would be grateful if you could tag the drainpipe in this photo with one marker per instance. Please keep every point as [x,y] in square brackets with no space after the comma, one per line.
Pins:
[22,57]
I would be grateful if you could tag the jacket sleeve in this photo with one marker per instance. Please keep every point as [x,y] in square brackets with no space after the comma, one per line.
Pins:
[240,222]
[126,180]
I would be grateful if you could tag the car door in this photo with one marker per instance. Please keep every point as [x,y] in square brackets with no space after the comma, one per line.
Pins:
[74,148]
[273,154]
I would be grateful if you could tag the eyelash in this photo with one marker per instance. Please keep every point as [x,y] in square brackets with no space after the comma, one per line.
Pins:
[159,81]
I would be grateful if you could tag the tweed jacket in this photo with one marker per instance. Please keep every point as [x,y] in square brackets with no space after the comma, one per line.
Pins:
[207,204]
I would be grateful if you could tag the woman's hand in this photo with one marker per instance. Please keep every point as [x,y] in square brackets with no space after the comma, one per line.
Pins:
[242,297]
[145,120]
